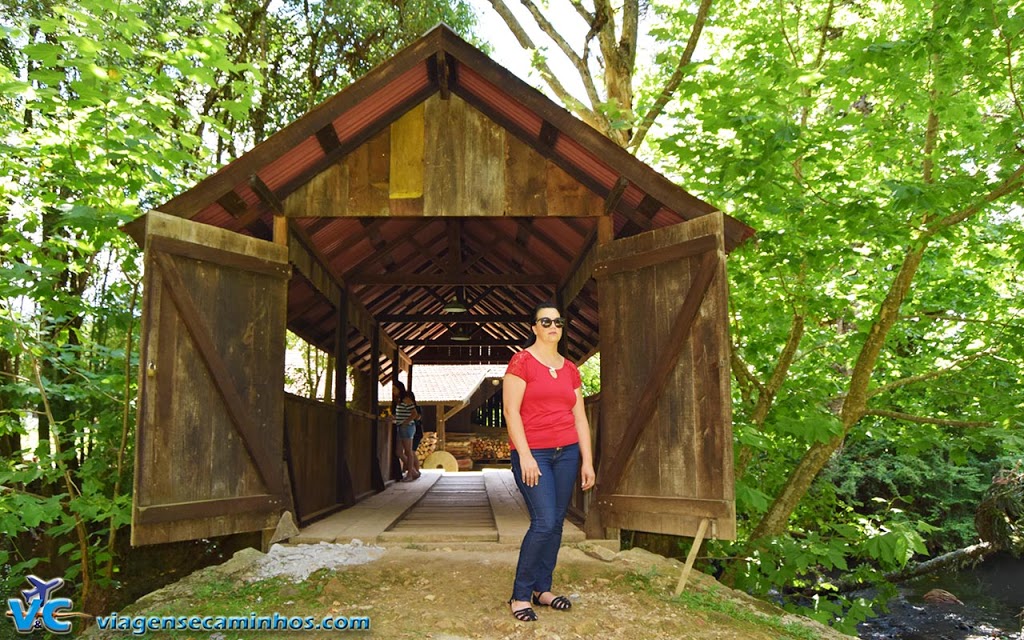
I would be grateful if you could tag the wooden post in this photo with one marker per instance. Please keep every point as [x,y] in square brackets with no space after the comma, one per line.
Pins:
[440,427]
[345,493]
[281,230]
[690,557]
[379,481]
[605,234]
[605,230]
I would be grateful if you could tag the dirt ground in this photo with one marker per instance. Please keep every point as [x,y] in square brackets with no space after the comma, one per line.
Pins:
[459,593]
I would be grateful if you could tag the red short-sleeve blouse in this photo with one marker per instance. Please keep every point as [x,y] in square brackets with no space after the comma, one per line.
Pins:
[548,401]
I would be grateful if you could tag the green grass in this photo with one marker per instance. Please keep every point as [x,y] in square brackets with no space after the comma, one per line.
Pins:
[653,583]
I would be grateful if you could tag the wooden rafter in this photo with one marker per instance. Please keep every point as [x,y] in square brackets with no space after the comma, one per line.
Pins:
[406,236]
[504,279]
[454,229]
[459,318]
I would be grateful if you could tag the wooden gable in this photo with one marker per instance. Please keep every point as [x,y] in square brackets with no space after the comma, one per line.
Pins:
[443,158]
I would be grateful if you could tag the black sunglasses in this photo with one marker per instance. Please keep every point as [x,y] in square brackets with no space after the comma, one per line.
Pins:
[547,322]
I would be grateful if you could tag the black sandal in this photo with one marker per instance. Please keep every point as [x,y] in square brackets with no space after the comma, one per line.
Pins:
[559,603]
[526,614]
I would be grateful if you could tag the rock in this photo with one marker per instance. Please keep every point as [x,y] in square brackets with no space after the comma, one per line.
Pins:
[597,551]
[941,596]
[285,528]
[240,564]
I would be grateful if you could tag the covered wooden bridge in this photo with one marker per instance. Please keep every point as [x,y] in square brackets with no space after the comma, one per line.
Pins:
[417,217]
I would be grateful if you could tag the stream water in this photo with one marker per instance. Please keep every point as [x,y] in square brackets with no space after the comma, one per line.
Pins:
[993,599]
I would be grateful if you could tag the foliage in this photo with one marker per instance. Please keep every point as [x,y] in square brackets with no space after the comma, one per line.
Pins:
[92,95]
[108,109]
[1000,516]
[858,139]
[590,374]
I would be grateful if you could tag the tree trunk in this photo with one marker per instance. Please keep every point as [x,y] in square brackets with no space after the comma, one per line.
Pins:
[776,518]
[10,442]
[954,560]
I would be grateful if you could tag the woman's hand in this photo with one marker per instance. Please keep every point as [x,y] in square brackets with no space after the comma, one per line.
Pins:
[530,469]
[587,476]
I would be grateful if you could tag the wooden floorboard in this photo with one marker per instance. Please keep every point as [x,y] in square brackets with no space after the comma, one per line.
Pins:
[455,508]
[441,507]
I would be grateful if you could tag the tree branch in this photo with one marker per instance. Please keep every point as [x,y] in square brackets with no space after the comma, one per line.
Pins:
[580,9]
[673,82]
[1009,63]
[899,415]
[741,371]
[1012,183]
[588,115]
[824,33]
[896,384]
[579,63]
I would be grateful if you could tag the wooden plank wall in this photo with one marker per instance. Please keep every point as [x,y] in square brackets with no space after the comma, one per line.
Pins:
[443,158]
[213,348]
[312,437]
[579,507]
[360,441]
[681,468]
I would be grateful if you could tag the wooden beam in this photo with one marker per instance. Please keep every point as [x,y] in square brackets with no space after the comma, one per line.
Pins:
[580,271]
[345,492]
[483,279]
[377,472]
[233,204]
[605,229]
[648,207]
[454,228]
[611,201]
[266,196]
[384,250]
[448,342]
[328,139]
[548,134]
[441,72]
[314,267]
[632,262]
[450,318]
[523,232]
[351,239]
[281,230]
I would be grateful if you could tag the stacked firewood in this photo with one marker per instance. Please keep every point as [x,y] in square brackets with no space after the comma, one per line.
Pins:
[489,449]
[427,446]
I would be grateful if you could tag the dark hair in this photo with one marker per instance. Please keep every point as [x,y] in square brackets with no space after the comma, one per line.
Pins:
[547,304]
[397,384]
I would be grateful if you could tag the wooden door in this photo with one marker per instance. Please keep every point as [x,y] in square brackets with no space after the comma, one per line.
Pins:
[666,422]
[209,444]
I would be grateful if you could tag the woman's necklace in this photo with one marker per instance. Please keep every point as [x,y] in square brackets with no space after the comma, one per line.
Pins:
[551,370]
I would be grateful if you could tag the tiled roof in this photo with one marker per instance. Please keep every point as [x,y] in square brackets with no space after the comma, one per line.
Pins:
[450,383]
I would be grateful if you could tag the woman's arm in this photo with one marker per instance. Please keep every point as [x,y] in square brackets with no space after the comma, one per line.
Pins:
[579,413]
[513,389]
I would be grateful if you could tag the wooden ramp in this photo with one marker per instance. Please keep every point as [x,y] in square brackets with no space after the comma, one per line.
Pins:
[455,509]
[475,507]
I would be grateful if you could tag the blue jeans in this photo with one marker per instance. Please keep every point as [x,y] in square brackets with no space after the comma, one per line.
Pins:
[547,502]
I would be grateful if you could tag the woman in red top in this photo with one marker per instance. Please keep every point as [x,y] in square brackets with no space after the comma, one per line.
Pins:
[550,439]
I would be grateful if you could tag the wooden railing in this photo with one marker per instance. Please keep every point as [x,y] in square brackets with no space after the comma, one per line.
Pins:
[320,483]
